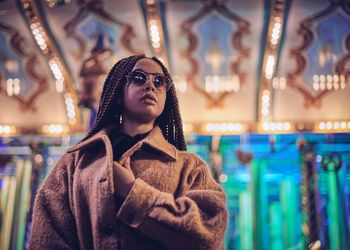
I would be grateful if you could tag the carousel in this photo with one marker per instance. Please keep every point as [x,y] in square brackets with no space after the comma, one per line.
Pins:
[263,89]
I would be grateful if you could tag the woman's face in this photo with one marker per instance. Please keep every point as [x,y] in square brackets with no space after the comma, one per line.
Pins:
[144,103]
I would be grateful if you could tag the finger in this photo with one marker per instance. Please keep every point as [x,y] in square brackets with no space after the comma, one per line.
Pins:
[127,163]
[116,164]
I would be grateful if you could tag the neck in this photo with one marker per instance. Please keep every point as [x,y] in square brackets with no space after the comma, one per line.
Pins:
[133,128]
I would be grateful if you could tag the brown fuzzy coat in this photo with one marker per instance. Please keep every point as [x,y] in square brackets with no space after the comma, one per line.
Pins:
[173,204]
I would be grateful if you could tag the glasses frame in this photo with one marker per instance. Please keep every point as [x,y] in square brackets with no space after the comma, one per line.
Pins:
[130,79]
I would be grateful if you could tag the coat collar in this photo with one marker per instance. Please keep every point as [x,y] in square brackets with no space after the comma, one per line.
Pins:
[154,139]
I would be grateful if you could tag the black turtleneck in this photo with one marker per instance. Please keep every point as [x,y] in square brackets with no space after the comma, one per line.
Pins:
[121,142]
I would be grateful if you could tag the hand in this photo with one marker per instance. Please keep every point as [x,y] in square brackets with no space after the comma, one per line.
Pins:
[124,178]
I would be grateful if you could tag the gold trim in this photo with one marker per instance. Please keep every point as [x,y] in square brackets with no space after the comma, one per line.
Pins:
[237,43]
[270,53]
[51,53]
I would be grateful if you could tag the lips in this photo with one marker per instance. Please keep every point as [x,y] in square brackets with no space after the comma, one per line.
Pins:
[148,98]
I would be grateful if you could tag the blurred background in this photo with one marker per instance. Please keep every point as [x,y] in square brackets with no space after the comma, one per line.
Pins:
[264,93]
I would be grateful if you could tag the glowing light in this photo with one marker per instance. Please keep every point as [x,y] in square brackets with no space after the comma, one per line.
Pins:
[39,35]
[265,98]
[35,31]
[265,104]
[69,101]
[336,125]
[71,114]
[154,28]
[155,36]
[209,127]
[266,126]
[275,33]
[180,84]
[220,84]
[265,111]
[269,66]
[13,87]
[343,125]
[6,130]
[224,127]
[276,126]
[187,127]
[322,82]
[70,107]
[335,85]
[287,126]
[322,125]
[156,45]
[318,158]
[333,125]
[329,125]
[273,126]
[54,129]
[322,85]
[223,178]
[9,84]
[329,85]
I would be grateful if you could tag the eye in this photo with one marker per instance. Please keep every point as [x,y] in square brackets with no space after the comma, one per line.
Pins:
[159,81]
[139,78]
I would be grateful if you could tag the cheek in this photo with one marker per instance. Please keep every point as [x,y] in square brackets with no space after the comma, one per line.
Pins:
[162,102]
[129,96]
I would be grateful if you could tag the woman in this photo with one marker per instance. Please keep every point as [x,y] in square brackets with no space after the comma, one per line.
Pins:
[130,184]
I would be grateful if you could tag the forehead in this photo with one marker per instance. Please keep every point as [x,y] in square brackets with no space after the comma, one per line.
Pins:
[148,65]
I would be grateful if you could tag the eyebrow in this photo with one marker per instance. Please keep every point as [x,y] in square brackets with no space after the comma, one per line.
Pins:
[148,73]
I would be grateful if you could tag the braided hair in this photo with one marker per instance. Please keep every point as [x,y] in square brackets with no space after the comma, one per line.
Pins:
[111,101]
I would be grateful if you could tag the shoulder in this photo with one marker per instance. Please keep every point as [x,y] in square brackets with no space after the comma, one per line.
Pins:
[66,160]
[101,137]
[58,176]
[191,158]
[198,170]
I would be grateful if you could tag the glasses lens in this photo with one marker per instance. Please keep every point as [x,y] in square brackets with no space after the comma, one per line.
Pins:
[139,78]
[159,81]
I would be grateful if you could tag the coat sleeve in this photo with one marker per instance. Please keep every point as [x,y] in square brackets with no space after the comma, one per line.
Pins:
[53,225]
[196,219]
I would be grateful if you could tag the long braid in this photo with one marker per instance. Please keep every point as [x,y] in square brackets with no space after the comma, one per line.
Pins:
[169,121]
[112,91]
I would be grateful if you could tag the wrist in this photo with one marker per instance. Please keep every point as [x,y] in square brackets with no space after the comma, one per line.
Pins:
[127,189]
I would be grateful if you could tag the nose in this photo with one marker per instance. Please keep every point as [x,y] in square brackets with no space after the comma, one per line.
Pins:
[149,85]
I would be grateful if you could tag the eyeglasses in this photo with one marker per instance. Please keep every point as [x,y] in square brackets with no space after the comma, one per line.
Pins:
[138,78]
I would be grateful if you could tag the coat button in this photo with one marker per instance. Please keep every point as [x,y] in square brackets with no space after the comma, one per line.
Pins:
[109,229]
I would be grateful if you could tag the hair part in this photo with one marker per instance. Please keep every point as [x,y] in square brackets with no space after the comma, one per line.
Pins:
[111,103]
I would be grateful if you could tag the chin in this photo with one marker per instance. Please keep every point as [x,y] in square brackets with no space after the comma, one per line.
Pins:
[151,114]
[148,117]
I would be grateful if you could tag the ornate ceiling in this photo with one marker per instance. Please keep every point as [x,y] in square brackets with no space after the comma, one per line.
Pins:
[269,66]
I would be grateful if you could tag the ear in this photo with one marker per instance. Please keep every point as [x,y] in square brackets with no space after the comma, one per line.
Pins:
[119,98]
